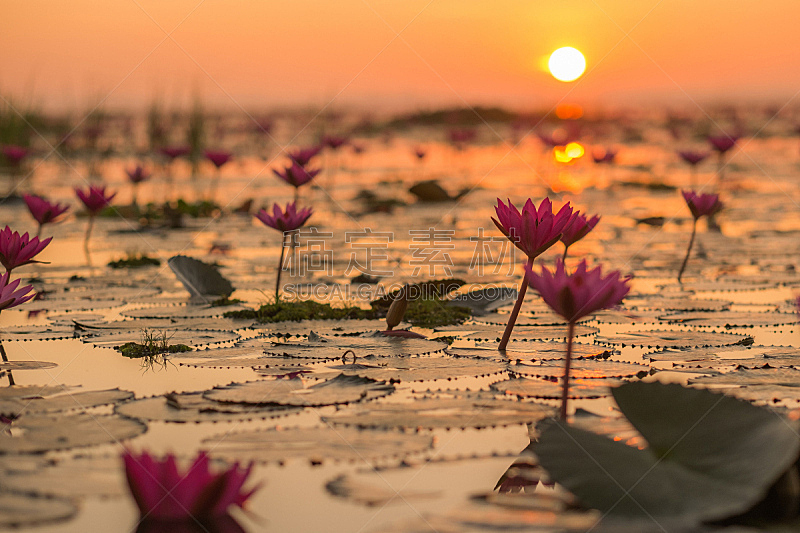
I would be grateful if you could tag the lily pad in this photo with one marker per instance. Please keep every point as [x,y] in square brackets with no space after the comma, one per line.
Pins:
[194,407]
[397,369]
[174,337]
[70,478]
[534,350]
[318,347]
[743,356]
[17,510]
[580,369]
[36,333]
[339,390]
[486,332]
[317,445]
[544,388]
[674,339]
[370,494]
[26,365]
[477,410]
[44,433]
[731,319]
[65,401]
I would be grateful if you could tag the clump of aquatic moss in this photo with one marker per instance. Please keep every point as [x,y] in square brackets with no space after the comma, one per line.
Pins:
[135,261]
[434,313]
[153,344]
[282,311]
[222,302]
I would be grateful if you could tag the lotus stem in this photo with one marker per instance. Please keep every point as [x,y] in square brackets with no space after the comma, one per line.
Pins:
[564,258]
[565,385]
[88,234]
[8,372]
[39,231]
[296,195]
[280,268]
[688,250]
[515,313]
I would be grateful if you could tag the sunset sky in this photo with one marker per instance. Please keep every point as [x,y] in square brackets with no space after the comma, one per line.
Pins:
[268,53]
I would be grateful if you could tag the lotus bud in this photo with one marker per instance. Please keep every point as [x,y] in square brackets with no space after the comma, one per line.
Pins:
[398,308]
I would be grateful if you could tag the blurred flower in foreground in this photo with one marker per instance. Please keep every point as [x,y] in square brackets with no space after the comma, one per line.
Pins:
[533,231]
[17,250]
[574,296]
[44,211]
[163,492]
[701,205]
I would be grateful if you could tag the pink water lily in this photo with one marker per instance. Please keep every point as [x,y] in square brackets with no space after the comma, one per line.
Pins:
[163,492]
[11,294]
[302,156]
[578,227]
[692,157]
[17,250]
[284,221]
[533,231]
[14,154]
[95,198]
[296,175]
[137,174]
[701,205]
[574,296]
[218,157]
[174,152]
[44,211]
[723,143]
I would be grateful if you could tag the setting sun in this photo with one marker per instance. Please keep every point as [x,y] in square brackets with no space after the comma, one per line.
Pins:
[566,64]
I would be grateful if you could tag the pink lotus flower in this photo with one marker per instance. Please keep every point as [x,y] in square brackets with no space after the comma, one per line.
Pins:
[296,175]
[174,152]
[534,230]
[10,295]
[288,220]
[574,296]
[692,157]
[723,143]
[218,157]
[163,492]
[137,174]
[577,228]
[702,204]
[14,154]
[302,156]
[94,198]
[42,210]
[17,250]
[334,142]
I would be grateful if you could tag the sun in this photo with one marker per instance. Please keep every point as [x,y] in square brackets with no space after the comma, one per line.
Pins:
[566,64]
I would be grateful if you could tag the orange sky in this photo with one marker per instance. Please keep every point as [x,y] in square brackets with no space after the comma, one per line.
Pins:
[265,53]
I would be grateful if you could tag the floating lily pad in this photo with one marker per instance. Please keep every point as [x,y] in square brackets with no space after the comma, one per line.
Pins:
[17,510]
[496,319]
[334,347]
[194,407]
[26,365]
[70,478]
[317,445]
[534,350]
[677,304]
[744,356]
[43,433]
[674,339]
[187,337]
[183,311]
[481,332]
[202,324]
[332,328]
[64,402]
[72,305]
[580,369]
[477,410]
[627,316]
[396,369]
[543,388]
[722,285]
[36,333]
[339,390]
[731,319]
[370,494]
[27,392]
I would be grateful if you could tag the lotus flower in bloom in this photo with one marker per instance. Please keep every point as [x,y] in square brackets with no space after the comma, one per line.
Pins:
[302,156]
[42,210]
[137,174]
[533,230]
[288,220]
[296,175]
[702,204]
[218,157]
[723,143]
[94,198]
[14,154]
[574,296]
[10,295]
[174,152]
[693,158]
[17,250]
[578,228]
[163,492]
